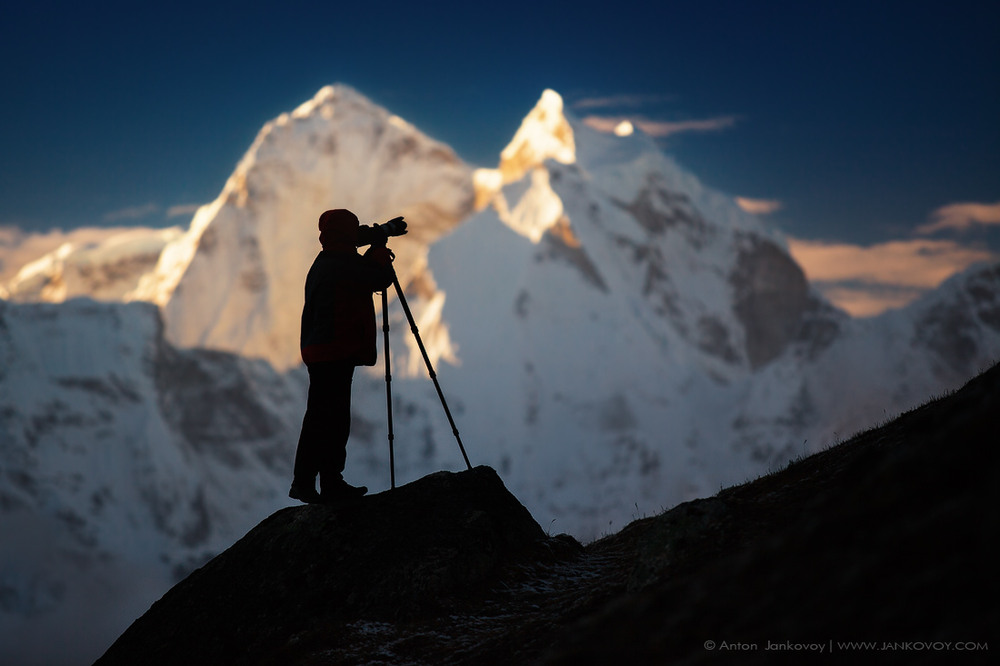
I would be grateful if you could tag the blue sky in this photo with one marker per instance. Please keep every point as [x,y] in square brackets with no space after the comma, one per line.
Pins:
[860,118]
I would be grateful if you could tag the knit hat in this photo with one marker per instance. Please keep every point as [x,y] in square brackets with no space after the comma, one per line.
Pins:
[338,227]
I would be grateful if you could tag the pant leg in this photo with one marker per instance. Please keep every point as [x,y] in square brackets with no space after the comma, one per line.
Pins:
[334,452]
[326,426]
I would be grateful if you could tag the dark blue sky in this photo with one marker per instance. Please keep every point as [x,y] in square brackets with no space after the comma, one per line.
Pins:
[860,117]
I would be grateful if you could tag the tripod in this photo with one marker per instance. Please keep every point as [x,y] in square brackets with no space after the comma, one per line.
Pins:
[388,375]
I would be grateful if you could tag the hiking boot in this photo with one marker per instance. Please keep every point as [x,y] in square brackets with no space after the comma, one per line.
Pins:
[342,491]
[305,493]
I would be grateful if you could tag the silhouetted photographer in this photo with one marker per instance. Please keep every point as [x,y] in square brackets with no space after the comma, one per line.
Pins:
[338,334]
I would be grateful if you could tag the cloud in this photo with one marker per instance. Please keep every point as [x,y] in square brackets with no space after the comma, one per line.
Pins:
[961,217]
[869,300]
[182,209]
[606,124]
[660,128]
[139,212]
[617,101]
[759,206]
[913,263]
[131,213]
[867,280]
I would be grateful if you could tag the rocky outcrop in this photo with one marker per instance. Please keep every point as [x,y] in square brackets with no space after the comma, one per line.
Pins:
[420,550]
[771,295]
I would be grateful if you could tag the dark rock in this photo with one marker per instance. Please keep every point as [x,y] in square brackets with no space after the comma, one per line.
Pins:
[771,296]
[559,243]
[416,551]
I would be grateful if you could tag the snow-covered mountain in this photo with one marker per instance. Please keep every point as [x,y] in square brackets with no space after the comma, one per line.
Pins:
[875,368]
[105,264]
[611,335]
[639,340]
[234,280]
[124,463]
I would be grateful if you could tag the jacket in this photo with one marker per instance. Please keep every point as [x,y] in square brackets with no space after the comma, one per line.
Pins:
[338,318]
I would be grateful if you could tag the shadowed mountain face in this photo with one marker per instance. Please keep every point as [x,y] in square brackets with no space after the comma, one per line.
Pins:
[888,537]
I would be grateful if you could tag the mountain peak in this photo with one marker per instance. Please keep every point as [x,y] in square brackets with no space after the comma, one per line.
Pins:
[544,134]
[325,95]
[234,280]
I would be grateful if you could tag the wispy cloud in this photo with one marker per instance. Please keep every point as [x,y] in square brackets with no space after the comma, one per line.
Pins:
[869,300]
[759,206]
[913,263]
[603,123]
[867,280]
[961,217]
[660,128]
[131,213]
[620,101]
[183,209]
[146,210]
[609,113]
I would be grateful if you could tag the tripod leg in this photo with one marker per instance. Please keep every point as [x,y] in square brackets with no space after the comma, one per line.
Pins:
[430,368]
[388,385]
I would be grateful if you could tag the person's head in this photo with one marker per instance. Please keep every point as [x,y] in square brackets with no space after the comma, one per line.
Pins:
[338,229]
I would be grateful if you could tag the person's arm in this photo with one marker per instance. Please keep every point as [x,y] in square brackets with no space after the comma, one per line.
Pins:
[378,272]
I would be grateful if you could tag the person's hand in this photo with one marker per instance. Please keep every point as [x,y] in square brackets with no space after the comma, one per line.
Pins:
[394,227]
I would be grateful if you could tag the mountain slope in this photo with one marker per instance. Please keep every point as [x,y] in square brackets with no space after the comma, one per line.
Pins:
[882,538]
[124,463]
